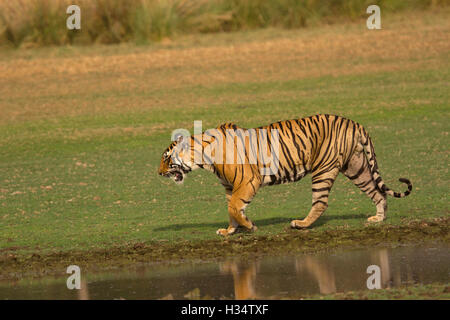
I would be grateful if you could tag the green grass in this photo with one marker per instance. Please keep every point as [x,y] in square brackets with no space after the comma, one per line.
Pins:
[63,192]
[89,179]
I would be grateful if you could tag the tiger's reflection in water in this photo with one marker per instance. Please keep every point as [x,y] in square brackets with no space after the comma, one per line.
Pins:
[268,277]
[244,276]
[317,275]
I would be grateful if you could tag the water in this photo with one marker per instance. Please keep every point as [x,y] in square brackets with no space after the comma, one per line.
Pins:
[263,278]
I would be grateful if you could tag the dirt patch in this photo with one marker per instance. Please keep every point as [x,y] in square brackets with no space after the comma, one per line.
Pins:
[435,291]
[16,265]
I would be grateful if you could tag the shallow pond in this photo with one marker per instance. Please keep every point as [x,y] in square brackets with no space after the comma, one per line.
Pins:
[263,278]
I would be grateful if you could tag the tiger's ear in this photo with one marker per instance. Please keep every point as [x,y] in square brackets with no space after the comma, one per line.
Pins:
[182,142]
[180,138]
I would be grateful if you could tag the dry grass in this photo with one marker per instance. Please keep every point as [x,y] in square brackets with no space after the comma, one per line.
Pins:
[33,23]
[83,82]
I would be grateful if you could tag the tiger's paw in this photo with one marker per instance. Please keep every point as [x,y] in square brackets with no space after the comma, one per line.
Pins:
[232,230]
[222,232]
[376,218]
[245,229]
[225,232]
[299,224]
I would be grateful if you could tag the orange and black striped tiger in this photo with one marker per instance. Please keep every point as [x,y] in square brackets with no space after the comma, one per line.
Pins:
[322,145]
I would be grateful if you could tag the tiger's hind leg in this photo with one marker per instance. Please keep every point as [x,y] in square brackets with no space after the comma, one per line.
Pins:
[357,170]
[321,186]
[238,200]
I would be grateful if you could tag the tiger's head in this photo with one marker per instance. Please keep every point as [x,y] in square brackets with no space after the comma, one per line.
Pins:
[176,160]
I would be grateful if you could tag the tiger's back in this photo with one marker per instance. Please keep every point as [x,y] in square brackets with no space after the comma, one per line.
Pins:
[312,143]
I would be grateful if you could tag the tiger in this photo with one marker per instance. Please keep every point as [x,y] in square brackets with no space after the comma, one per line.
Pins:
[322,145]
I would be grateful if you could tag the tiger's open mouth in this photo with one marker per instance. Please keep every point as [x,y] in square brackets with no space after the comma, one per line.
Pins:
[176,175]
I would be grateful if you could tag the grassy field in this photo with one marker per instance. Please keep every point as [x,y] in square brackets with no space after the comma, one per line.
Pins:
[82,129]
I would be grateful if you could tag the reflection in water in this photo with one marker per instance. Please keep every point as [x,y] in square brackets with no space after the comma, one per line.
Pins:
[320,269]
[380,258]
[244,276]
[244,273]
[83,293]
[264,278]
[322,273]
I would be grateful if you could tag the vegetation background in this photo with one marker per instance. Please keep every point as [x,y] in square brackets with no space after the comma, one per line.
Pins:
[25,23]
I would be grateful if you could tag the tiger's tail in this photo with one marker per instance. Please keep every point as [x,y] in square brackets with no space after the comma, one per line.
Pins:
[373,166]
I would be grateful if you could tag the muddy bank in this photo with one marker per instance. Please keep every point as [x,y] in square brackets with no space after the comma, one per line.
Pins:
[16,266]
[435,291]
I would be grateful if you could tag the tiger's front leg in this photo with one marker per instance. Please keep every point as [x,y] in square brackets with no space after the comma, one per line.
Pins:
[228,193]
[238,200]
